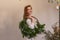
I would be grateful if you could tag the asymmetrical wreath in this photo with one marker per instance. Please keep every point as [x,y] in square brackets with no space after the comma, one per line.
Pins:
[28,32]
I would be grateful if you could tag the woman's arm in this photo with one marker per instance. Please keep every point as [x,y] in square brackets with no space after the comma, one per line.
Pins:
[30,24]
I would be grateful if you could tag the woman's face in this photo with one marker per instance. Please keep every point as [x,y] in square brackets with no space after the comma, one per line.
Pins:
[29,10]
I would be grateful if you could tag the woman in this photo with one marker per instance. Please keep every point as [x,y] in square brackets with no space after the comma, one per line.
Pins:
[30,25]
[30,20]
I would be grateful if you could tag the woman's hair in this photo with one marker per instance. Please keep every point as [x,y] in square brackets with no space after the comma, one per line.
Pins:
[25,11]
[25,16]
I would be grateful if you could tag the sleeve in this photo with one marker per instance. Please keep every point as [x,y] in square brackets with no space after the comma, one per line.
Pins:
[30,24]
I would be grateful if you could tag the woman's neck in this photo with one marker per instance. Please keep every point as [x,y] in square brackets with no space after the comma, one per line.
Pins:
[29,16]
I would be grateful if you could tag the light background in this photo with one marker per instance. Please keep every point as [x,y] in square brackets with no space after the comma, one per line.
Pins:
[11,12]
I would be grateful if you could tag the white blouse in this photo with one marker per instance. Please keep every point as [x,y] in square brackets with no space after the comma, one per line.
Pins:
[30,24]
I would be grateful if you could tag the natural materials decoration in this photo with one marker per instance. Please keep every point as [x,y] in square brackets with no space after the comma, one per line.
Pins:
[55,35]
[28,32]
[56,2]
[52,1]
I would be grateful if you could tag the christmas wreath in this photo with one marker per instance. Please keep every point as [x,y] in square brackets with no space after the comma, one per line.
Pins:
[28,32]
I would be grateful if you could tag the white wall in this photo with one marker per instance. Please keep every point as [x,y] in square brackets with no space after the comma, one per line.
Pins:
[11,12]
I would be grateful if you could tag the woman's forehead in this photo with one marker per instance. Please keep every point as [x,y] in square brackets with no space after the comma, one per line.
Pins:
[29,8]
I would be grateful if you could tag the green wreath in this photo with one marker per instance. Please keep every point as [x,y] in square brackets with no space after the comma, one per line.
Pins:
[28,32]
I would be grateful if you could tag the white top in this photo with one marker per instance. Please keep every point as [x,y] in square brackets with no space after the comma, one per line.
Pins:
[30,24]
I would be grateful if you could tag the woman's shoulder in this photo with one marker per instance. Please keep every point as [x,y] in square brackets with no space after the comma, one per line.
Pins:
[34,17]
[28,20]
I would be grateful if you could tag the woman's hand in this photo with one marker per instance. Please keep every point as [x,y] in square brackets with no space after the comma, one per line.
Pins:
[32,19]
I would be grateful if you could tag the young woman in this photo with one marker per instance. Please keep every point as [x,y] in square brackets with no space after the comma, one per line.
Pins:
[30,20]
[30,25]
